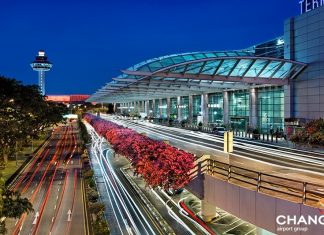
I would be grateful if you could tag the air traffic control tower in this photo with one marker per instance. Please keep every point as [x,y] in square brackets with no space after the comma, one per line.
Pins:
[41,65]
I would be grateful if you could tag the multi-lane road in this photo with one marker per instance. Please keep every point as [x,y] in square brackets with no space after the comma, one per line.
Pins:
[246,153]
[52,183]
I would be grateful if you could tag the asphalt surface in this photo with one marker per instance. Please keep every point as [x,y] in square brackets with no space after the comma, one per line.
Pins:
[52,182]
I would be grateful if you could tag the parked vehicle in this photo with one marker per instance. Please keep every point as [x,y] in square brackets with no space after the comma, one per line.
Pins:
[219,130]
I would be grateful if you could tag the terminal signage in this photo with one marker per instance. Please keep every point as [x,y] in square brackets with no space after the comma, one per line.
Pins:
[309,5]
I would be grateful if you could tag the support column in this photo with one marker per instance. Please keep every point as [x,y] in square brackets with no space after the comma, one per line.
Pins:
[204,108]
[225,108]
[253,115]
[168,111]
[179,110]
[208,211]
[190,118]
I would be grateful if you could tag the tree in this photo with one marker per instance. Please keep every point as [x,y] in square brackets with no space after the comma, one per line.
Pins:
[23,114]
[11,205]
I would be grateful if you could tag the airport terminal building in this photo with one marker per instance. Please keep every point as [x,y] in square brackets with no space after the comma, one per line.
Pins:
[276,84]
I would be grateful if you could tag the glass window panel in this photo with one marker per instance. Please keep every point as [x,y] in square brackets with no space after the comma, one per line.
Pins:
[219,54]
[178,59]
[268,71]
[173,108]
[210,55]
[188,57]
[256,68]
[199,56]
[271,109]
[226,67]
[215,108]
[155,66]
[283,71]
[145,68]
[241,68]
[167,62]
[178,69]
[184,110]
[194,68]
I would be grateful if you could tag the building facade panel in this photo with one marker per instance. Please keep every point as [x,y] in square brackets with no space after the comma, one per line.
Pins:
[304,38]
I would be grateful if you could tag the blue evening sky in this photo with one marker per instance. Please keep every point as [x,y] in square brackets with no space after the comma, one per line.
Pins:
[89,42]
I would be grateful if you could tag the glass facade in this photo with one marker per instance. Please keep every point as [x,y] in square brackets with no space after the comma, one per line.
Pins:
[239,109]
[184,107]
[150,107]
[215,108]
[271,109]
[164,108]
[173,108]
[196,108]
[156,108]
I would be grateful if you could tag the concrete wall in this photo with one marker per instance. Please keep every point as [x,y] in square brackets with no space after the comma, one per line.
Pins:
[304,42]
[256,208]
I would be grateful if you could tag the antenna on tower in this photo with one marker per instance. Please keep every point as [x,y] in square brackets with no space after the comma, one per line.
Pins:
[41,65]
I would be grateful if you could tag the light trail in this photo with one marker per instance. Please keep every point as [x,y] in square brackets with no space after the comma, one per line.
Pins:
[119,191]
[278,157]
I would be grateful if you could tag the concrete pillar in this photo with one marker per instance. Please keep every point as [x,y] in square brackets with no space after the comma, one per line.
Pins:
[208,211]
[253,115]
[204,108]
[114,107]
[153,108]
[190,109]
[225,107]
[179,110]
[168,112]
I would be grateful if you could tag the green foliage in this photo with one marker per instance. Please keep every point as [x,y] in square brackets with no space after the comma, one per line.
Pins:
[23,114]
[90,182]
[96,207]
[92,194]
[84,133]
[13,205]
[100,226]
[88,174]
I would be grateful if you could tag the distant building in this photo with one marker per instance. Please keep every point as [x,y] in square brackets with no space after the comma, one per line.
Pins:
[68,99]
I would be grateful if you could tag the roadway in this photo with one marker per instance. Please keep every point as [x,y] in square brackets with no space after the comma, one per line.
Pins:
[127,213]
[52,183]
[269,158]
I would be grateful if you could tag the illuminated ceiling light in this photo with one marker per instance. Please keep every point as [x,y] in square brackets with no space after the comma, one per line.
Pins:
[280,41]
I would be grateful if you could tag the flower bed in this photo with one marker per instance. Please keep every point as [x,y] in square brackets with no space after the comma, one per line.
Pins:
[313,134]
[158,163]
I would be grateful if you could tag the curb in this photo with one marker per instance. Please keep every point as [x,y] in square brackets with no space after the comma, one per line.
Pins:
[148,204]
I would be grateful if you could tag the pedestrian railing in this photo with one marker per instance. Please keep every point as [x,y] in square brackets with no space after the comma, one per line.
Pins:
[277,186]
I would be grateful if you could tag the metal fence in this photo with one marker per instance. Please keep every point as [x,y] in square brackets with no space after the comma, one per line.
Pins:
[281,187]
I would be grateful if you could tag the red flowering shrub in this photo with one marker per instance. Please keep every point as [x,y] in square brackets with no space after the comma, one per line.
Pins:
[313,133]
[158,163]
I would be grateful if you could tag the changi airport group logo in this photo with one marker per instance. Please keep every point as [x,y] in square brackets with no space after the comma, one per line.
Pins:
[294,223]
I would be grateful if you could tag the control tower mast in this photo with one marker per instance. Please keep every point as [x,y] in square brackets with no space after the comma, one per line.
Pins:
[41,65]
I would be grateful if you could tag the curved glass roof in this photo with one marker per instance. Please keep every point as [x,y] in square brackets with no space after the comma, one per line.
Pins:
[195,73]
[158,63]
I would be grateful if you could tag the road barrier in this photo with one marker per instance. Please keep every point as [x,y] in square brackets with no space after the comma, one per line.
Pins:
[290,189]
